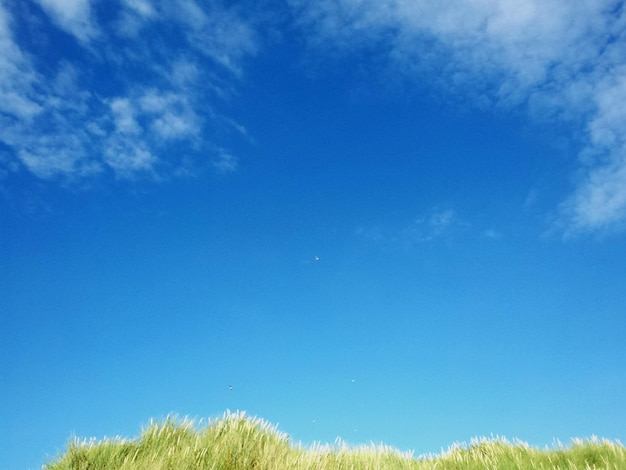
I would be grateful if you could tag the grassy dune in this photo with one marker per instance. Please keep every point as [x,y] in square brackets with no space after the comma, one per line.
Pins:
[237,442]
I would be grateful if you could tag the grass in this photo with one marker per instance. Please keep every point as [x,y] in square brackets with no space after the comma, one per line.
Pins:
[238,442]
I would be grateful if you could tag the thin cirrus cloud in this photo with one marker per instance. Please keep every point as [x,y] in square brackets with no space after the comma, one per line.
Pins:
[17,75]
[435,225]
[224,162]
[439,223]
[559,60]
[73,16]
[155,93]
[169,64]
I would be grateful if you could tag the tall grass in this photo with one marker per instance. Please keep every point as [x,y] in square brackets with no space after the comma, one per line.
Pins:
[238,442]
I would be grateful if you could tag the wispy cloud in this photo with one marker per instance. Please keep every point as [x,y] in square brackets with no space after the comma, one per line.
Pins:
[217,33]
[437,224]
[133,17]
[492,234]
[224,162]
[600,197]
[17,75]
[69,123]
[170,64]
[73,16]
[558,59]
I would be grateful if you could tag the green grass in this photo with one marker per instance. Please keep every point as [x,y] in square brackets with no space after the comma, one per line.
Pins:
[237,442]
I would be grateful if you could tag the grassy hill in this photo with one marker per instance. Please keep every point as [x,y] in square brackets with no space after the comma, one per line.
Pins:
[237,442]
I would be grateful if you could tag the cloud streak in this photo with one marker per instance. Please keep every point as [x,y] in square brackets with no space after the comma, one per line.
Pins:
[127,126]
[73,16]
[559,60]
[438,224]
[170,64]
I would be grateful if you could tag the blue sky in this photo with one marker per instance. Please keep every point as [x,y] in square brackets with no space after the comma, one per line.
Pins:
[384,220]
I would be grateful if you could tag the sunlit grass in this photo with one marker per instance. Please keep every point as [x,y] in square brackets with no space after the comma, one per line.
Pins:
[238,442]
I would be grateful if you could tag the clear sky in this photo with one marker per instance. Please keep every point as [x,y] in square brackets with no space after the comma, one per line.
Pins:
[385,220]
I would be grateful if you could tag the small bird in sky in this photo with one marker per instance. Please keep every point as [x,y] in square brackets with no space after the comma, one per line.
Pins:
[317,258]
[230,387]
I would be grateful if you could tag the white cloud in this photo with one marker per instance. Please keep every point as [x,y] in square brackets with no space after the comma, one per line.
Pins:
[124,116]
[170,125]
[143,122]
[128,158]
[224,162]
[608,126]
[142,7]
[500,43]
[18,105]
[73,16]
[171,114]
[37,114]
[16,74]
[559,59]
[52,160]
[218,33]
[492,234]
[135,15]
[439,221]
[184,73]
[437,224]
[600,200]
[57,125]
[54,154]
